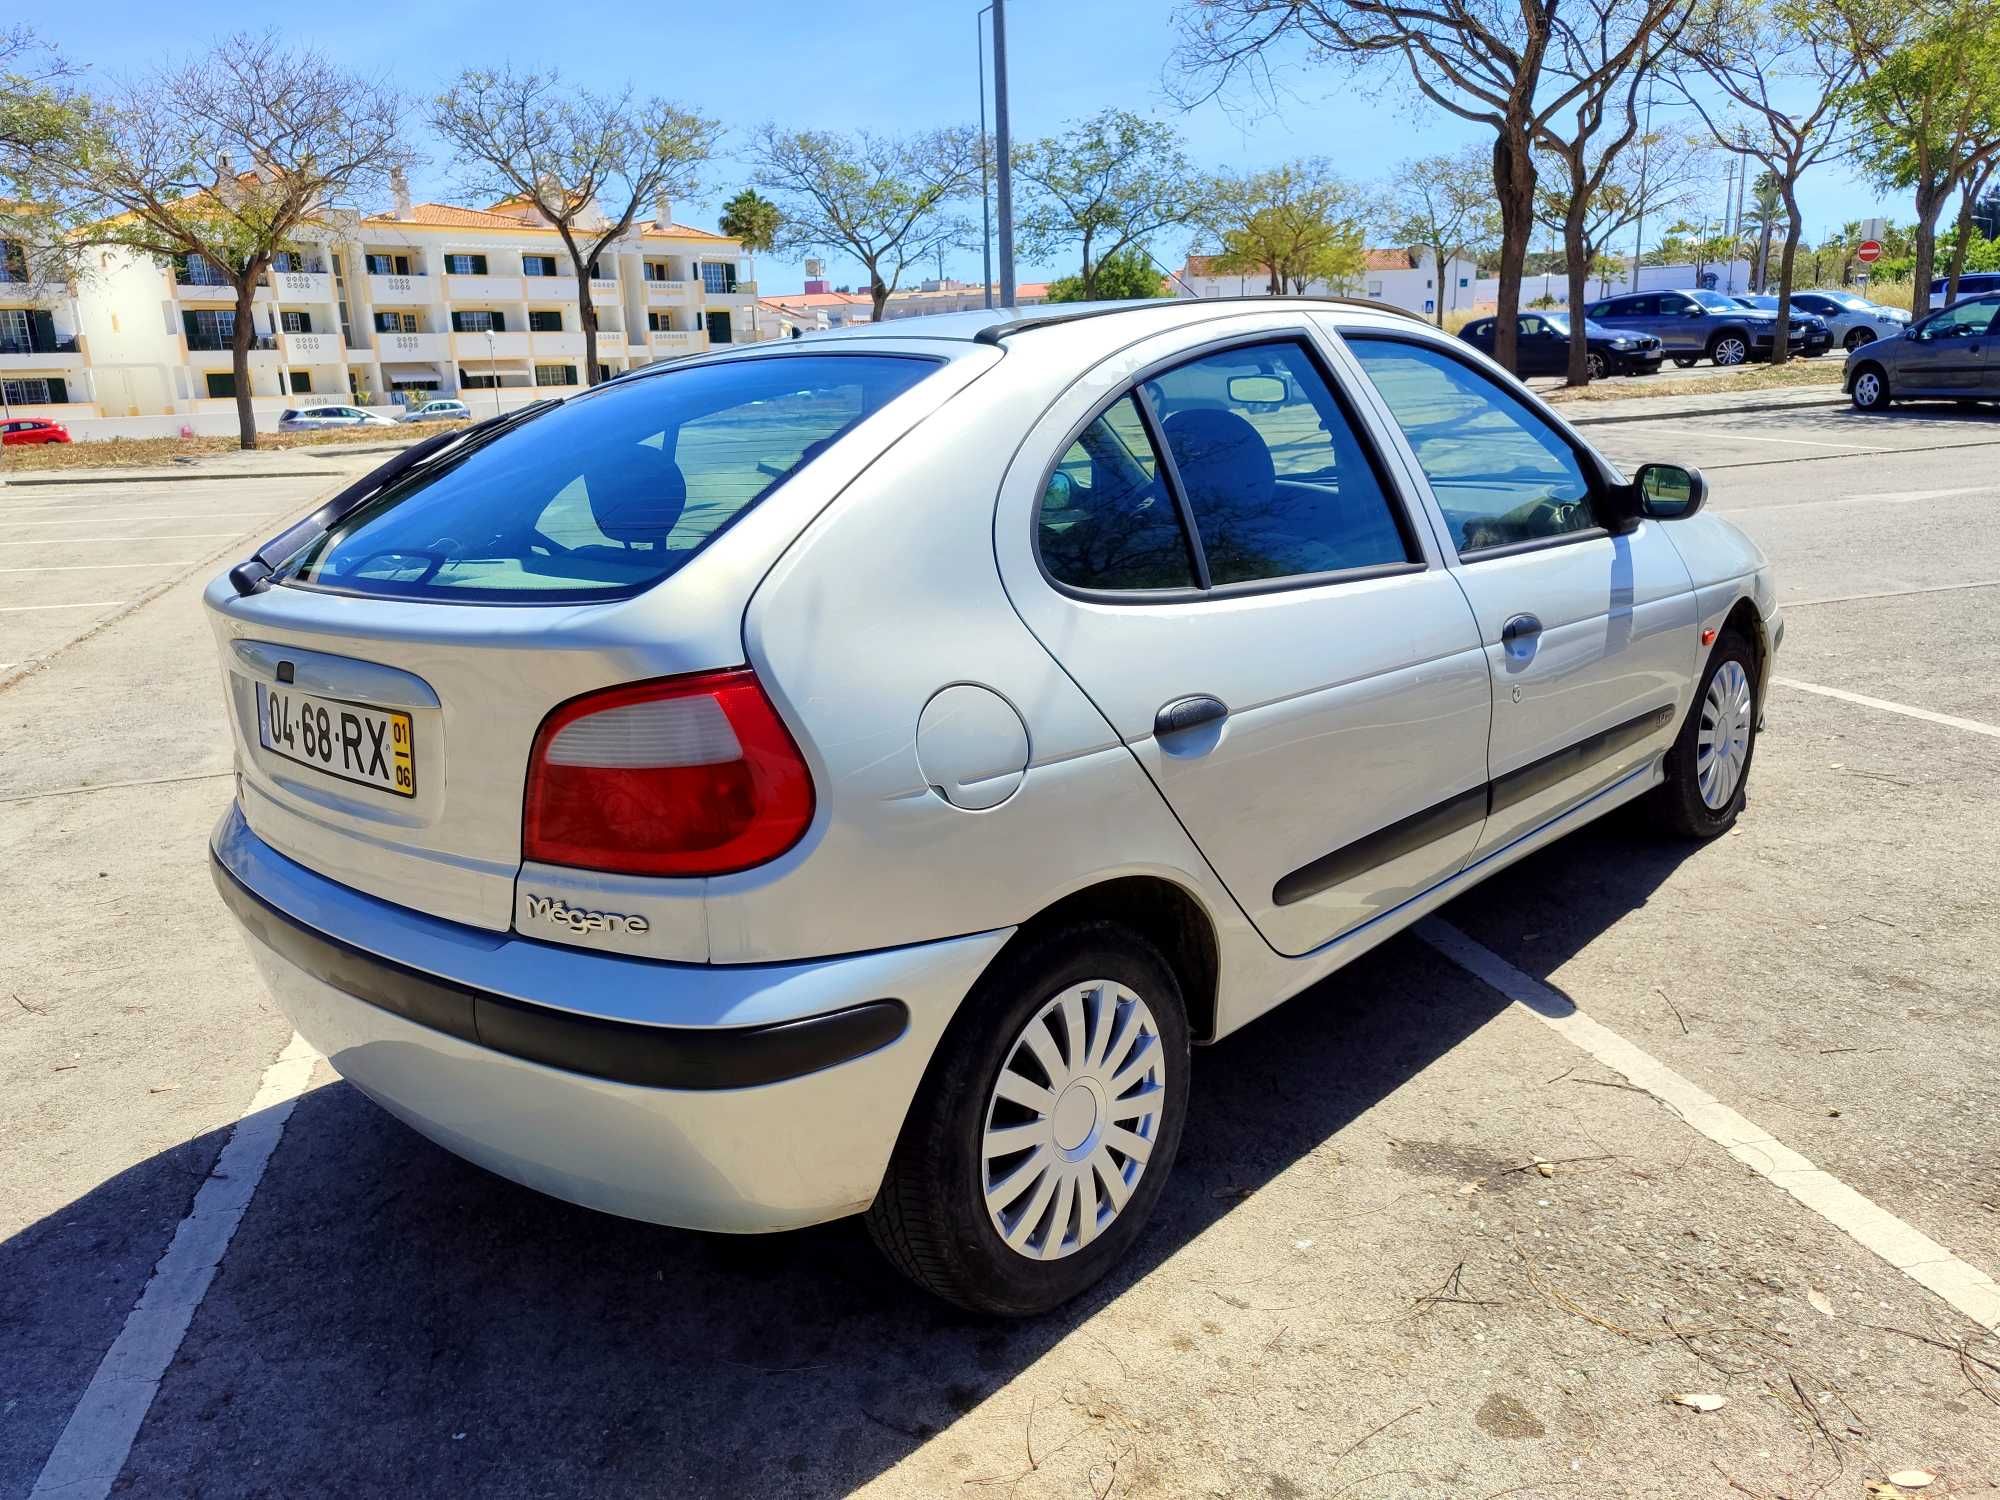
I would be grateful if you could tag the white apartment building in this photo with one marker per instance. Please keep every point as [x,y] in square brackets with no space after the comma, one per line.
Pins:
[1402,278]
[44,360]
[430,298]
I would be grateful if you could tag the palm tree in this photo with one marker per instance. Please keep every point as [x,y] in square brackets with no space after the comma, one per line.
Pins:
[753,221]
[1766,210]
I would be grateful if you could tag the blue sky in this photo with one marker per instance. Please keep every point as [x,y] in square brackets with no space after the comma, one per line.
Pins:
[877,66]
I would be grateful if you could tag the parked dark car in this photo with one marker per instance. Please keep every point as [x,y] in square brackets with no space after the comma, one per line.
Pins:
[1695,324]
[1953,355]
[1971,284]
[32,430]
[1542,346]
[1819,334]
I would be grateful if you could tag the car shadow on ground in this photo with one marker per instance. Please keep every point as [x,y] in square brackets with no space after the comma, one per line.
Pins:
[392,1319]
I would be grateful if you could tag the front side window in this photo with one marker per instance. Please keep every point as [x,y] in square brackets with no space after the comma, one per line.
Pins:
[1500,473]
[609,493]
[1107,520]
[1277,483]
[1965,320]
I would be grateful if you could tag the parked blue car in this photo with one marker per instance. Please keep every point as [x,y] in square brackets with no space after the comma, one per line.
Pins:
[1819,335]
[1696,324]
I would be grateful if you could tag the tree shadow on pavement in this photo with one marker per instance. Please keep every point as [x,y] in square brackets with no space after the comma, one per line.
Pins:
[392,1319]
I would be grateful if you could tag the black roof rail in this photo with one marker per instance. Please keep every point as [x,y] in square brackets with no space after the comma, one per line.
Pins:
[995,332]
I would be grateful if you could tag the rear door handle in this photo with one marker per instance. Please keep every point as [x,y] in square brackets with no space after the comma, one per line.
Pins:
[1183,714]
[1520,628]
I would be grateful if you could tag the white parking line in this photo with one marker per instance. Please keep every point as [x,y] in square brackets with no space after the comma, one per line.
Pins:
[1896,497]
[22,609]
[1950,720]
[1919,1257]
[94,1445]
[168,562]
[193,515]
[1747,437]
[1940,588]
[63,541]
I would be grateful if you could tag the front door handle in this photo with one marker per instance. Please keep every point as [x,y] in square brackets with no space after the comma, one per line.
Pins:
[1522,628]
[1183,714]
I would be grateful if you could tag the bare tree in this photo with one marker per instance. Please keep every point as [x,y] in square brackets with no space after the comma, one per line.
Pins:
[585,162]
[885,200]
[1785,74]
[223,159]
[1106,184]
[1972,188]
[1675,168]
[1487,61]
[1445,205]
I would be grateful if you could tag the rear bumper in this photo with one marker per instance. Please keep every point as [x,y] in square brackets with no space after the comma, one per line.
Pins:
[730,1098]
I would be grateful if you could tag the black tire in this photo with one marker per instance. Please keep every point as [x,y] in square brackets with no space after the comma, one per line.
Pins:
[1594,366]
[1868,388]
[1856,337]
[930,1217]
[1685,363]
[1677,805]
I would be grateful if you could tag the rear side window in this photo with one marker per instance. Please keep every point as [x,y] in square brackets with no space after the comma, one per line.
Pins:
[1276,481]
[1500,473]
[1107,521]
[609,493]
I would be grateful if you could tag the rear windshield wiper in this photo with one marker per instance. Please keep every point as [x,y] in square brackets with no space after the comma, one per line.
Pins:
[254,574]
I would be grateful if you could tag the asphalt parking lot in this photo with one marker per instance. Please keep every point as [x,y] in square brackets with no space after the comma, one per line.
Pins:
[1429,1234]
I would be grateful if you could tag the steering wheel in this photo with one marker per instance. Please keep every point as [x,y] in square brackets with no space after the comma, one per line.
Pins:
[436,560]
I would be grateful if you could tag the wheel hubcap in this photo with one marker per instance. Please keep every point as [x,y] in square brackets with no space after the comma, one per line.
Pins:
[1867,389]
[1722,743]
[1072,1119]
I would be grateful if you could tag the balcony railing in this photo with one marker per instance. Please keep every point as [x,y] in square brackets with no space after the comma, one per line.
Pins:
[202,275]
[29,346]
[204,343]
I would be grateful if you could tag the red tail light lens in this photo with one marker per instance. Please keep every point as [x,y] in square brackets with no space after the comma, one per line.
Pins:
[684,776]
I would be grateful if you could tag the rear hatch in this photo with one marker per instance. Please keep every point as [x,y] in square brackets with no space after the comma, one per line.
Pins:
[385,686]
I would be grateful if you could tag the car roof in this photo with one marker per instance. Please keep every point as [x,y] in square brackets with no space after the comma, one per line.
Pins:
[994,325]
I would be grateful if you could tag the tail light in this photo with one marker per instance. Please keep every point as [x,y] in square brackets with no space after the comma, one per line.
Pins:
[684,776]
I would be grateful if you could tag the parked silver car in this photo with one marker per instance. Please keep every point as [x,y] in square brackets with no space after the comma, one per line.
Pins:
[314,418]
[845,776]
[441,410]
[1853,320]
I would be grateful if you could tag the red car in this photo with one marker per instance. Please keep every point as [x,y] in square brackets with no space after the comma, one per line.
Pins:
[32,430]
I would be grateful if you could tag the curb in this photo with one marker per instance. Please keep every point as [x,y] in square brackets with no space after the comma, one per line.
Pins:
[1712,409]
[142,476]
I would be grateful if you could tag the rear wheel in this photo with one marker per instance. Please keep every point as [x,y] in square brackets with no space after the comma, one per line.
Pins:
[1870,390]
[1729,349]
[1044,1132]
[1856,337]
[1687,363]
[1594,363]
[1709,764]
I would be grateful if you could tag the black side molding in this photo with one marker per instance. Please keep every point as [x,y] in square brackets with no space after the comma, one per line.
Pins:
[662,1057]
[1455,814]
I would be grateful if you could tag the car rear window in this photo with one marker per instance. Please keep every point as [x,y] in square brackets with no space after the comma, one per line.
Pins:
[609,493]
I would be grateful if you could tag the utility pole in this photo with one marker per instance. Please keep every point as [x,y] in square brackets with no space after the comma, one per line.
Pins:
[985,193]
[1736,234]
[1003,148]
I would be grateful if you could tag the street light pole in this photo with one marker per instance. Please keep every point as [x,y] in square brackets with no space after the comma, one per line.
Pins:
[1639,233]
[1004,150]
[985,193]
[492,370]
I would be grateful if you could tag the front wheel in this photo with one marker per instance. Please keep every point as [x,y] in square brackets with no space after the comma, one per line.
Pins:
[1870,391]
[1730,349]
[1593,364]
[1709,764]
[1856,337]
[1043,1134]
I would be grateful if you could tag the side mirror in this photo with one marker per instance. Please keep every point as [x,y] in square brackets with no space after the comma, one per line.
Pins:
[1669,492]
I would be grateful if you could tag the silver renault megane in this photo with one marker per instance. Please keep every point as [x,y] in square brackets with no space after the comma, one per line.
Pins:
[846,776]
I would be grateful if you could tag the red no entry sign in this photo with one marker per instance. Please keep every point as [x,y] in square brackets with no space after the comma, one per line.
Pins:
[1869,253]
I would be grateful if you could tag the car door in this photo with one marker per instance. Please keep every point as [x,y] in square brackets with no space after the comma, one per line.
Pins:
[1204,534]
[1680,323]
[1541,350]
[1589,634]
[1948,354]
